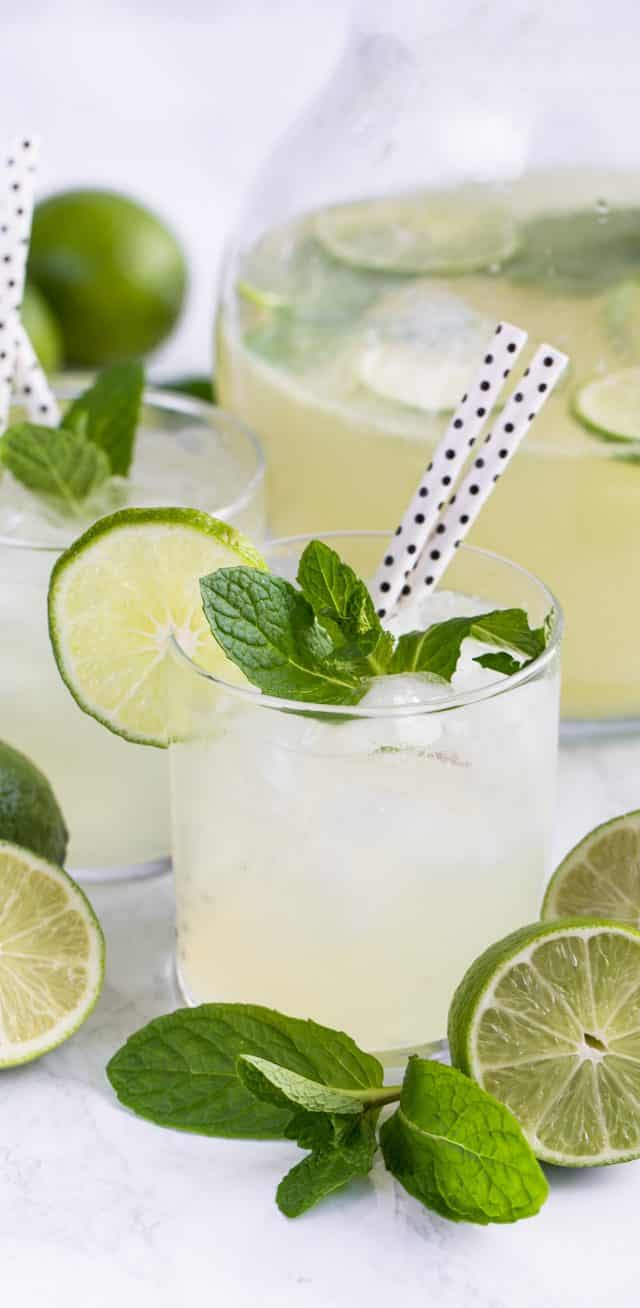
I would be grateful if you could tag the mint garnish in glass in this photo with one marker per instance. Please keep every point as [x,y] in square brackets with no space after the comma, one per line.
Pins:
[322,641]
[68,465]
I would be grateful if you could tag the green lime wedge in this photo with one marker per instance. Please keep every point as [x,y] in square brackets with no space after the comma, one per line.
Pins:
[116,598]
[601,876]
[610,406]
[428,232]
[419,346]
[548,1021]
[51,956]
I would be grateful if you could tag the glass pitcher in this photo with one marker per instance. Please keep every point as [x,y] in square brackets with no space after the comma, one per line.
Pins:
[466,163]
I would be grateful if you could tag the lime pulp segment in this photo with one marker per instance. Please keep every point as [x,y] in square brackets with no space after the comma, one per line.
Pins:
[51,956]
[600,877]
[119,595]
[548,1021]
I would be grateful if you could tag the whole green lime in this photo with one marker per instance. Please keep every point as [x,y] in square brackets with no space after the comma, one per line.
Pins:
[30,815]
[112,272]
[43,330]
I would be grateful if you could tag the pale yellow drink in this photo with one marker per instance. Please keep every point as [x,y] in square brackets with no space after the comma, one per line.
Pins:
[350,383]
[114,794]
[350,864]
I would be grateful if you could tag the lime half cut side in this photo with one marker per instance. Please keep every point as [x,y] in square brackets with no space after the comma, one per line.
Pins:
[610,406]
[117,597]
[51,956]
[600,877]
[428,232]
[548,1021]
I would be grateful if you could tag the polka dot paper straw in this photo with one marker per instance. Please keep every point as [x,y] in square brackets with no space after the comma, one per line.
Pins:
[19,366]
[15,229]
[390,582]
[30,385]
[497,450]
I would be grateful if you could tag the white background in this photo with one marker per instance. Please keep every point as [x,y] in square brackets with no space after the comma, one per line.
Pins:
[177,102]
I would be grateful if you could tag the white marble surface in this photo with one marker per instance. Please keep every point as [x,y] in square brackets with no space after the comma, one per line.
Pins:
[97,1207]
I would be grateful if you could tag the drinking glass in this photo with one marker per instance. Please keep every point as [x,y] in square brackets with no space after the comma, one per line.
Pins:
[347,864]
[114,794]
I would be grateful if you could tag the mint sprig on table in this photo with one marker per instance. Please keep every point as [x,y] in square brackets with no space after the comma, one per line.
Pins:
[244,1071]
[323,641]
[95,441]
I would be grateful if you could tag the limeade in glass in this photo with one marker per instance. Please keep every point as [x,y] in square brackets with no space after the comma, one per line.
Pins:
[114,795]
[349,863]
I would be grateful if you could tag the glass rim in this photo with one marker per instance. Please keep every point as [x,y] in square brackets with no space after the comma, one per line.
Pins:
[458,699]
[66,387]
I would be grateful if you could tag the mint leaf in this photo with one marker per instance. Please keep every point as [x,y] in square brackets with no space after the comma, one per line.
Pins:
[318,1130]
[510,627]
[339,599]
[576,253]
[58,464]
[181,1070]
[107,414]
[328,1169]
[459,1151]
[437,650]
[279,1085]
[269,630]
[344,607]
[500,662]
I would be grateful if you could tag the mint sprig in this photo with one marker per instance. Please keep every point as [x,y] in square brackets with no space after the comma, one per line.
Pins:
[324,642]
[249,1072]
[107,414]
[62,467]
[95,440]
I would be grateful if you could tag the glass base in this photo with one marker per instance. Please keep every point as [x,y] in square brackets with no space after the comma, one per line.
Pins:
[153,867]
[390,1058]
[597,728]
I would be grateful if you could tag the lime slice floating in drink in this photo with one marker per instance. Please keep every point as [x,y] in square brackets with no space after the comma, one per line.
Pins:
[51,956]
[420,345]
[548,1021]
[116,598]
[610,406]
[601,876]
[443,232]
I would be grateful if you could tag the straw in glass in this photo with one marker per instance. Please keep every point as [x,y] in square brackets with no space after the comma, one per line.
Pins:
[450,457]
[16,352]
[424,543]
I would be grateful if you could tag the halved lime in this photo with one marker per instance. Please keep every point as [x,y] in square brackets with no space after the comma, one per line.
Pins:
[548,1021]
[116,598]
[600,877]
[51,956]
[427,232]
[419,346]
[610,406]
